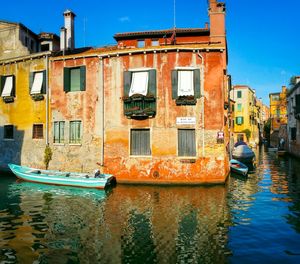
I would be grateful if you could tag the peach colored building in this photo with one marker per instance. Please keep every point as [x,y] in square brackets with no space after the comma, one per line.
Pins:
[151,109]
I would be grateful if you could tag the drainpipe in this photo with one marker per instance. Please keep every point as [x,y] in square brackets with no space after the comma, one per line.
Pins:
[203,130]
[47,100]
[101,88]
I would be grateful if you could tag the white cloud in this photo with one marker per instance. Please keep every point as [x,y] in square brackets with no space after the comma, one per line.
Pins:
[124,19]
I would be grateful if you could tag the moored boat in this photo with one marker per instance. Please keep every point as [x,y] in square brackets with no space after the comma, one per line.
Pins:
[98,181]
[243,154]
[238,167]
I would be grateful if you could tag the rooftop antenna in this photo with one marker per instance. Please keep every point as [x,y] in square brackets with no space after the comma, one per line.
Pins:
[173,37]
[174,14]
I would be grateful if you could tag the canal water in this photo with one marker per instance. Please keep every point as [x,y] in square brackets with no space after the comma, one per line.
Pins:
[253,220]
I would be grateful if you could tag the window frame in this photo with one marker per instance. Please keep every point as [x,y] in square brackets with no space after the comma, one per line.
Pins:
[2,85]
[139,152]
[239,94]
[187,151]
[138,105]
[32,77]
[37,131]
[138,43]
[197,84]
[61,128]
[5,127]
[76,140]
[67,78]
[239,118]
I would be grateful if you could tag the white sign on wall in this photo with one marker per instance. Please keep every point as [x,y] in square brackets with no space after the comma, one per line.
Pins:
[186,120]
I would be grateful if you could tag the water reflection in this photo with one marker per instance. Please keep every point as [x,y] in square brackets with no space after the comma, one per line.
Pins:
[247,220]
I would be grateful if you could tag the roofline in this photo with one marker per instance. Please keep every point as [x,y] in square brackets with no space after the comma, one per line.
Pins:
[122,52]
[161,33]
[21,26]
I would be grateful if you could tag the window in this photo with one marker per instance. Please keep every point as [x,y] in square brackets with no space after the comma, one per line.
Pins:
[186,142]
[186,86]
[293,133]
[7,86]
[8,132]
[37,82]
[140,93]
[275,97]
[139,83]
[59,132]
[45,47]
[239,107]
[74,79]
[239,120]
[277,112]
[239,94]
[154,42]
[75,132]
[37,131]
[141,43]
[140,142]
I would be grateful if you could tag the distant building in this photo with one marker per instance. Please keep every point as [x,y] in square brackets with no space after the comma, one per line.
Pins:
[278,115]
[247,114]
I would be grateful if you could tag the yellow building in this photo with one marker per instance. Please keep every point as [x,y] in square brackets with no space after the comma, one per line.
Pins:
[23,133]
[246,112]
[278,109]
[278,115]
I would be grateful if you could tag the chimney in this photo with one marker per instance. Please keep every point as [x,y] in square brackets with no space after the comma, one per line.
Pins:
[68,40]
[63,38]
[216,13]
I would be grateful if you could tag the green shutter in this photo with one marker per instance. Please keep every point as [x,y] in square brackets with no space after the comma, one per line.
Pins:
[2,80]
[31,76]
[13,91]
[44,84]
[127,82]
[174,76]
[197,85]
[82,78]
[67,79]
[152,83]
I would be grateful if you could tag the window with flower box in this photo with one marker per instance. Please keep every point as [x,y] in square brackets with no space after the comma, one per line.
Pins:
[140,93]
[7,88]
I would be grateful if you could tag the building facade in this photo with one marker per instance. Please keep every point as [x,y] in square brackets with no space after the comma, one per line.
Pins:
[293,124]
[278,115]
[152,109]
[247,114]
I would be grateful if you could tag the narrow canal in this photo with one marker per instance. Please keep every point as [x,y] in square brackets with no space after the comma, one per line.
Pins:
[254,220]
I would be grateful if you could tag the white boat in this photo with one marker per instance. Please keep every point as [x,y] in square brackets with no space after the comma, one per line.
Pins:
[243,154]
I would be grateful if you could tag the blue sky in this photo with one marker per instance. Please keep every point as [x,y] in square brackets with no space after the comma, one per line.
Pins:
[263,35]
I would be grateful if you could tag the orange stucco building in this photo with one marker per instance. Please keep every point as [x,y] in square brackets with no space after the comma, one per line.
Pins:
[149,110]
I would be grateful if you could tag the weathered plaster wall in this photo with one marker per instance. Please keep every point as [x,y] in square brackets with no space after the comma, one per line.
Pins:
[81,105]
[164,165]
[22,113]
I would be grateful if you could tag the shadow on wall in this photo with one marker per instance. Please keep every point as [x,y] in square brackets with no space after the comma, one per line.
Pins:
[11,142]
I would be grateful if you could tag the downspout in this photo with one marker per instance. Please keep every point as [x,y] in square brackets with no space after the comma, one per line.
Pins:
[47,100]
[203,129]
[102,129]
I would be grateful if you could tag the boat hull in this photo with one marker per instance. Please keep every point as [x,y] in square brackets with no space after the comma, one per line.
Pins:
[62,179]
[238,167]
